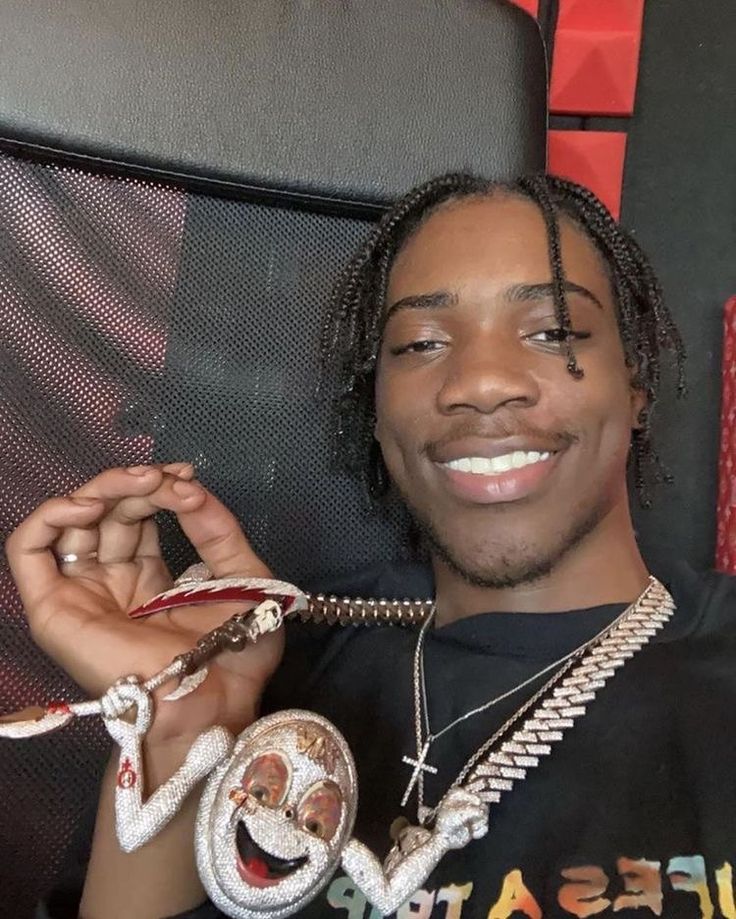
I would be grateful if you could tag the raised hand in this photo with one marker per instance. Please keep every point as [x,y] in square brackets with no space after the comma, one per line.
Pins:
[77,610]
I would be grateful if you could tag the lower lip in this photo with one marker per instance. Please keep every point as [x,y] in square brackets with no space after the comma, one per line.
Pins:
[497,489]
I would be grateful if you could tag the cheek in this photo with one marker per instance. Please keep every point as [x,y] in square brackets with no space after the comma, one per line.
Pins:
[604,417]
[398,413]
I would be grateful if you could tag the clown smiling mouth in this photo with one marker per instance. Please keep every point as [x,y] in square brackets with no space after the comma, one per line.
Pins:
[258,867]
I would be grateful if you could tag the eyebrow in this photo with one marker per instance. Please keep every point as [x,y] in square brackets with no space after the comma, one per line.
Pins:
[521,293]
[517,293]
[433,301]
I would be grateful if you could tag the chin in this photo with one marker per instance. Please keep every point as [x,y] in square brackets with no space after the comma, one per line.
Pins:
[505,564]
[503,572]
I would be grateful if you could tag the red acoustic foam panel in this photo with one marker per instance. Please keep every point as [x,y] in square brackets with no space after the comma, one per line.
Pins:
[531,6]
[601,15]
[591,158]
[596,57]
[726,533]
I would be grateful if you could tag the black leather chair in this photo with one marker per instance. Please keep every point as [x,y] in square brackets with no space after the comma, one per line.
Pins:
[179,186]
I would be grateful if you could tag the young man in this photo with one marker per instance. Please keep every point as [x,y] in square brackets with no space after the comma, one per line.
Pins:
[501,344]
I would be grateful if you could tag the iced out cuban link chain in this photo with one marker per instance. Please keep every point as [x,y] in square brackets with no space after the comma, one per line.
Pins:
[421,706]
[498,764]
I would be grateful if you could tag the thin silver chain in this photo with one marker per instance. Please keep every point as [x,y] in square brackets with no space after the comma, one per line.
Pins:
[421,707]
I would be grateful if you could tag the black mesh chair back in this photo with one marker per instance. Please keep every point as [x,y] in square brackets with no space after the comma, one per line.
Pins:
[179,187]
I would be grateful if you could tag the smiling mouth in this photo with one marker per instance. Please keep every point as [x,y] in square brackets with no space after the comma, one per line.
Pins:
[497,465]
[499,480]
[258,867]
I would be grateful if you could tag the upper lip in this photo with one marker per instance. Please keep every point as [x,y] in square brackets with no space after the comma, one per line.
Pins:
[450,450]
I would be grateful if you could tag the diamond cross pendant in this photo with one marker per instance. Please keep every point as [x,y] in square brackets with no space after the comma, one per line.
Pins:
[420,766]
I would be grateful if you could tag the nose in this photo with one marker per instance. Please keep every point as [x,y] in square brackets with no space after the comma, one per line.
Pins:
[486,374]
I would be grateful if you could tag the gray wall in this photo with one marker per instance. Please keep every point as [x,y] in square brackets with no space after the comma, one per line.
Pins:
[680,199]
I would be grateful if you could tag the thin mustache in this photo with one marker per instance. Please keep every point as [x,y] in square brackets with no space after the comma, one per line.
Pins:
[558,440]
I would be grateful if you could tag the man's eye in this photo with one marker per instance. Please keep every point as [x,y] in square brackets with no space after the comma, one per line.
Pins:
[557,336]
[418,347]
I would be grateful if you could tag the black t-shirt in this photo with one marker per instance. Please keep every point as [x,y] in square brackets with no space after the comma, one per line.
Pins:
[634,812]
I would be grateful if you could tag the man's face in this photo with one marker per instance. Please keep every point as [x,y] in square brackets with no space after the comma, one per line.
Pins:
[505,460]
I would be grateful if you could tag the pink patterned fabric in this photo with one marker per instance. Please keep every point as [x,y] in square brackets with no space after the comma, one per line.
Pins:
[726,541]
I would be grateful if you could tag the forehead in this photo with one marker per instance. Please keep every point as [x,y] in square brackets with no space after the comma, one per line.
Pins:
[497,239]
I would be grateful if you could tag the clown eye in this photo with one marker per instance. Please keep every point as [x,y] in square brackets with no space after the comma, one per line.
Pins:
[320,810]
[266,779]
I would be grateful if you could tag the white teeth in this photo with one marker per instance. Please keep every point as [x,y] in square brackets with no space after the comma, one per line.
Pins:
[481,465]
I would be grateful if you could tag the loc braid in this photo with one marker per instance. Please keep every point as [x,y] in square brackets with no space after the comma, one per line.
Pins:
[537,190]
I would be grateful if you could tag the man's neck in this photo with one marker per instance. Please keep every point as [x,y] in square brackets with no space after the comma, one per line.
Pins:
[605,567]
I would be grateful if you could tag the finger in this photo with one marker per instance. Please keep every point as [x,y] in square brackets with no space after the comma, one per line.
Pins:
[28,549]
[122,482]
[110,486]
[180,470]
[217,536]
[127,531]
[149,545]
[80,541]
[121,532]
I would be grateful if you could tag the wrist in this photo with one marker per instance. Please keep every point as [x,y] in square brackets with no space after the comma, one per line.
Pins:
[177,725]
[164,751]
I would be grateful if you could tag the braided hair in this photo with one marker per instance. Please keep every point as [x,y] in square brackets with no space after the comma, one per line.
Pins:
[352,333]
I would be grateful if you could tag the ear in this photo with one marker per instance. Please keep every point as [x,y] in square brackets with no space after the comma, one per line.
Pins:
[639,404]
[376,429]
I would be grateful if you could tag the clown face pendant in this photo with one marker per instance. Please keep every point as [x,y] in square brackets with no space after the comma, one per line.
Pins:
[275,818]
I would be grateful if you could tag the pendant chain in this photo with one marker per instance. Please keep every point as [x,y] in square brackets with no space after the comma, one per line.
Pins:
[501,761]
[424,736]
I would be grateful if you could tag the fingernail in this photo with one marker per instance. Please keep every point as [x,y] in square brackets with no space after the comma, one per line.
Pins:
[186,489]
[179,469]
[138,470]
[85,502]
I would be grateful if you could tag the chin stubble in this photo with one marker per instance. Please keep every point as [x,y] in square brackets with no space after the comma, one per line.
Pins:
[514,566]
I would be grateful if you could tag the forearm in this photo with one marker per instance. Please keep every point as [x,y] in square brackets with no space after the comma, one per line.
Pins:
[159,879]
[389,885]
